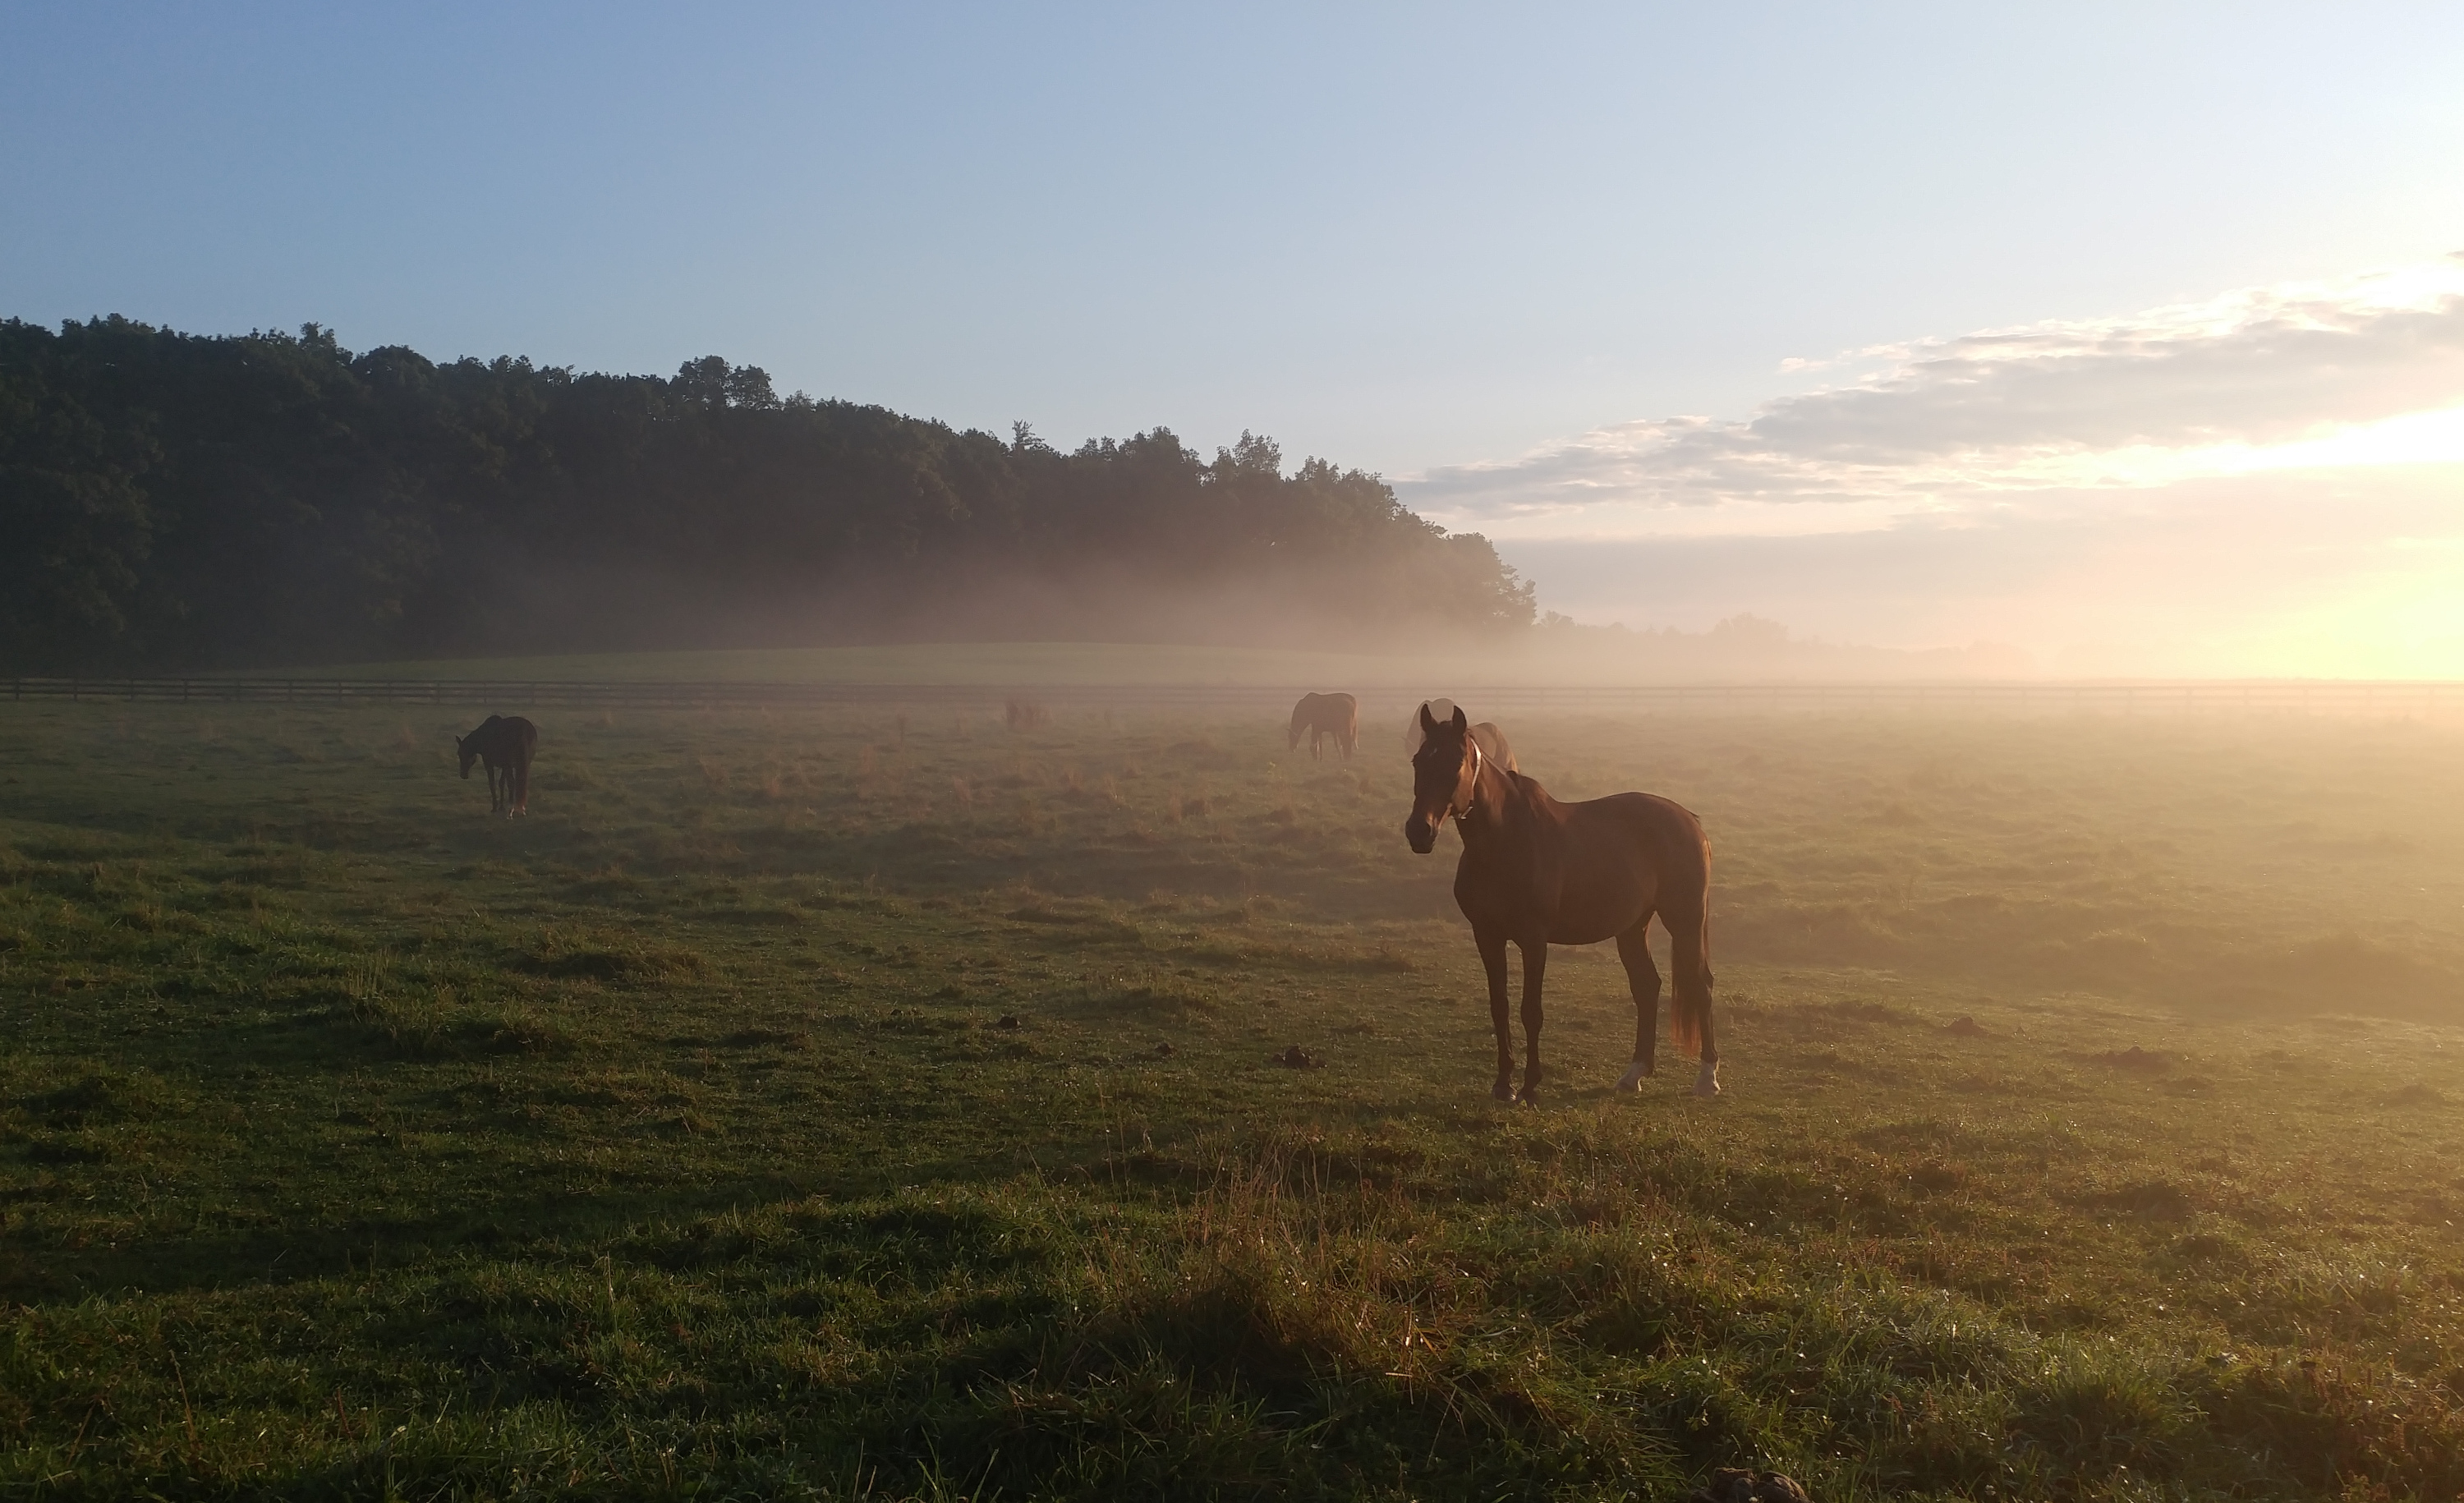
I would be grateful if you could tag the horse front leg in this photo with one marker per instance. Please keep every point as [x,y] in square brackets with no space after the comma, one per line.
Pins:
[1643,978]
[1492,958]
[1535,966]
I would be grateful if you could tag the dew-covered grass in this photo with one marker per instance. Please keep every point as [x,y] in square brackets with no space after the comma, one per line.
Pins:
[840,1106]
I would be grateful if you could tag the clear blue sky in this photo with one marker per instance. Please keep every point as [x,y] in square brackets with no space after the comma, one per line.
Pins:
[1404,237]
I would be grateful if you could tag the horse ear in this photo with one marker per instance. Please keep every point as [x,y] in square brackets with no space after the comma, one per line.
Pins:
[1462,722]
[1428,723]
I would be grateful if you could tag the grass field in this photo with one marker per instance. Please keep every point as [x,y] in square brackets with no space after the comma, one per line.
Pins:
[803,1106]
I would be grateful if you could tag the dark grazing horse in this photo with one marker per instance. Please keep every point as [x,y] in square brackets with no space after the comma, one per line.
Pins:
[1537,873]
[1323,714]
[505,743]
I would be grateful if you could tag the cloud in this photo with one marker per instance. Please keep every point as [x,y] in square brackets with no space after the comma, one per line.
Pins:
[2270,482]
[2361,371]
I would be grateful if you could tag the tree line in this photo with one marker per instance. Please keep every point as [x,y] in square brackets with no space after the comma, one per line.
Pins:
[174,501]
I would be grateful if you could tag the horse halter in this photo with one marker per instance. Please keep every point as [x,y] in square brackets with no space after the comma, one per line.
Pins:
[1465,812]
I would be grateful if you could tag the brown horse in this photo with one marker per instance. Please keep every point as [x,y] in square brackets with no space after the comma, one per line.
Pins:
[1323,714]
[505,743]
[1536,873]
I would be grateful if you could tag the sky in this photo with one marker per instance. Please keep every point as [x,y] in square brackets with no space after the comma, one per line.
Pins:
[2119,333]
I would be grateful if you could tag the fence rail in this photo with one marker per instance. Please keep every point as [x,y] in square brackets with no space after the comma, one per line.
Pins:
[2403,698]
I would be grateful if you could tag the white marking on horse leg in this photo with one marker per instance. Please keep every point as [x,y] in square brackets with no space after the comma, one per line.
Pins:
[1706,1081]
[1631,1080]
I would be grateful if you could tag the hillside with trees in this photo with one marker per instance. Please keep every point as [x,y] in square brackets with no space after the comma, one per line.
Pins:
[171,501]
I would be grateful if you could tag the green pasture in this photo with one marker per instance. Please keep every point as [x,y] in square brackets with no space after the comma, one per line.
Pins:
[858,1105]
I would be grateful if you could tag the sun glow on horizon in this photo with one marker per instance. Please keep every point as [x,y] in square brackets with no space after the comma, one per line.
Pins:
[2433,437]
[2269,481]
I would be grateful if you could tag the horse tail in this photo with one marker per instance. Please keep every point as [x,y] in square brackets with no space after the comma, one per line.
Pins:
[1691,952]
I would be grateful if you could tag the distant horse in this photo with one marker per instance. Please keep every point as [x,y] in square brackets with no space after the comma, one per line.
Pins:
[1536,873]
[1324,714]
[505,743]
[1492,741]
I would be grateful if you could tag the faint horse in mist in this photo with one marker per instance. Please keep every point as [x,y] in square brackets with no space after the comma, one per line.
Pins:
[1319,715]
[506,744]
[1536,873]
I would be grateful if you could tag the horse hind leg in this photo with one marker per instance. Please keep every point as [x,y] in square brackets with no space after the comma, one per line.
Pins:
[1643,978]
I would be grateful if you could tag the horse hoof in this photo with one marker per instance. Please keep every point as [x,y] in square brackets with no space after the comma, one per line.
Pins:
[1631,1080]
[1706,1085]
[1501,1092]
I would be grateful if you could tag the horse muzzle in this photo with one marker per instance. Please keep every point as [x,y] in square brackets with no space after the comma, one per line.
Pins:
[1422,833]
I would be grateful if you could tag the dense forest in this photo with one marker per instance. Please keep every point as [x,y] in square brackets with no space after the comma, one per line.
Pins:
[171,501]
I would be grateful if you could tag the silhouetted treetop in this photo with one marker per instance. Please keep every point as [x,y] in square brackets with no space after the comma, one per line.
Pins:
[174,499]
